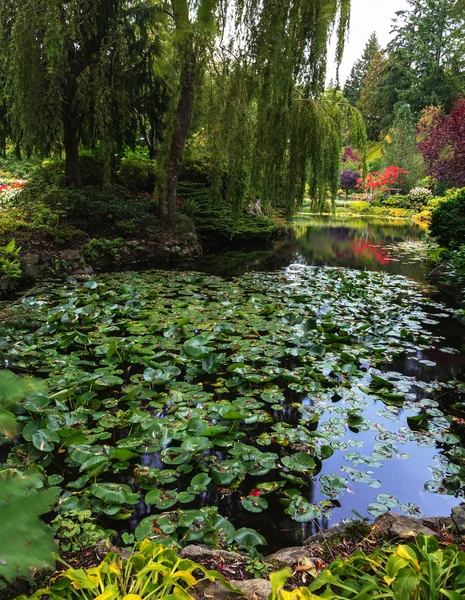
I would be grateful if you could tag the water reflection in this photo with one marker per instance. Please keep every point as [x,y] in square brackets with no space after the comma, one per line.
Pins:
[370,244]
[395,247]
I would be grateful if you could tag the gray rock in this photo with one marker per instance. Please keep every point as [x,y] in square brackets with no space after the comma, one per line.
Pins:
[162,251]
[322,536]
[193,552]
[33,271]
[438,272]
[31,259]
[290,556]
[132,243]
[70,255]
[400,527]
[252,589]
[458,516]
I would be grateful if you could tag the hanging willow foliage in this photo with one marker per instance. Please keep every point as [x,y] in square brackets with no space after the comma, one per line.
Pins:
[271,126]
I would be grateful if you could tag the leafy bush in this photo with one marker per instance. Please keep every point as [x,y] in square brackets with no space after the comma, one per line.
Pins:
[359,206]
[138,174]
[398,201]
[152,571]
[103,250]
[448,221]
[417,571]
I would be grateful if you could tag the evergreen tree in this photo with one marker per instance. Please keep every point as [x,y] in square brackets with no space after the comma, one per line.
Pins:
[370,103]
[399,149]
[428,53]
[353,85]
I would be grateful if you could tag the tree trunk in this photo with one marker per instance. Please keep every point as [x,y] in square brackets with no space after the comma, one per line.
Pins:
[72,166]
[182,121]
[18,151]
[152,143]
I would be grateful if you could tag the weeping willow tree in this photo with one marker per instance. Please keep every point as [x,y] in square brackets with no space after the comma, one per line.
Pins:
[68,74]
[270,127]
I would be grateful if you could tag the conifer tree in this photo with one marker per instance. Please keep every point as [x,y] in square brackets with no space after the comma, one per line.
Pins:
[354,84]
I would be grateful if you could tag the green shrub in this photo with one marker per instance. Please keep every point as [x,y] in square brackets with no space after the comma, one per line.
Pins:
[359,206]
[103,250]
[448,221]
[138,174]
[399,201]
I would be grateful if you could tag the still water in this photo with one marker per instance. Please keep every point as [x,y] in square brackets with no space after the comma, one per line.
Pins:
[394,247]
[397,248]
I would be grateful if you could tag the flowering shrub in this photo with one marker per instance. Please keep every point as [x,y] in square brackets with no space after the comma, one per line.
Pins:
[378,182]
[10,192]
[419,196]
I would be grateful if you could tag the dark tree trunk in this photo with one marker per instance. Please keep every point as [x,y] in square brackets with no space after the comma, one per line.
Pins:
[72,166]
[182,121]
[18,151]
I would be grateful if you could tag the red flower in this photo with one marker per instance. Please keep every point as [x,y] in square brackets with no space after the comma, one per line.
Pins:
[255,493]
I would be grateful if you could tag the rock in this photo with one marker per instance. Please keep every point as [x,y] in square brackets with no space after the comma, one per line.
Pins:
[290,556]
[162,251]
[193,552]
[31,259]
[437,273]
[458,516]
[399,527]
[70,255]
[132,243]
[33,271]
[322,536]
[253,589]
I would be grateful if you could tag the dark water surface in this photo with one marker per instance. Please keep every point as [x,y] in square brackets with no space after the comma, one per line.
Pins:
[397,248]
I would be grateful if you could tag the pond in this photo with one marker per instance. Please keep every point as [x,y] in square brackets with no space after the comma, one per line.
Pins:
[250,410]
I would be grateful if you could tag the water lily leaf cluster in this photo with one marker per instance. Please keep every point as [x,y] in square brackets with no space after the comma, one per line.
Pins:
[176,400]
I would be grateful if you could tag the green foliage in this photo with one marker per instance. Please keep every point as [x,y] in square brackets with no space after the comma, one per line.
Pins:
[448,221]
[257,568]
[10,264]
[98,251]
[396,201]
[399,148]
[152,571]
[77,530]
[138,174]
[25,542]
[417,571]
[216,223]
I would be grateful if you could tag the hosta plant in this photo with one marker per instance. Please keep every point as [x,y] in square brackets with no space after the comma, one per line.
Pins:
[416,571]
[152,572]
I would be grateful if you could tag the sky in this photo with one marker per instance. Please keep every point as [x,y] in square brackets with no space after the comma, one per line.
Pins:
[366,16]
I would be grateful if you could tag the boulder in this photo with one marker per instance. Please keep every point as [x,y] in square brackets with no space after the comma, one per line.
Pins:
[458,516]
[290,556]
[252,589]
[70,255]
[396,526]
[31,259]
[194,552]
